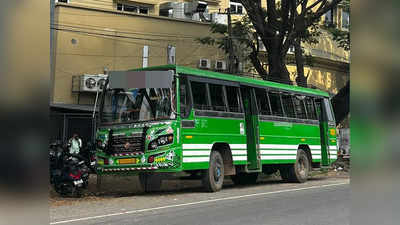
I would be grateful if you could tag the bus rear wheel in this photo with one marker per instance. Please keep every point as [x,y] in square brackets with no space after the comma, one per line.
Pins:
[213,177]
[245,178]
[299,171]
[150,182]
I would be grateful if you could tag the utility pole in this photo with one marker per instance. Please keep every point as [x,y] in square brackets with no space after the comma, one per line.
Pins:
[232,64]
[231,54]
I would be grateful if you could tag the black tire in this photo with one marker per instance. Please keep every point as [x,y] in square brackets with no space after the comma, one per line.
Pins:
[213,177]
[299,171]
[245,178]
[150,182]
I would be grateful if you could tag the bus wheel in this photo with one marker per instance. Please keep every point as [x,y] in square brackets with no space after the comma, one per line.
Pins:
[213,177]
[150,182]
[299,171]
[245,178]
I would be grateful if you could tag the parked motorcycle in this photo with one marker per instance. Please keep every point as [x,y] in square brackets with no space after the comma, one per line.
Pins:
[68,173]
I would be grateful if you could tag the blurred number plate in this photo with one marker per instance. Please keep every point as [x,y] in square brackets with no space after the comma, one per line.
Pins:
[127,161]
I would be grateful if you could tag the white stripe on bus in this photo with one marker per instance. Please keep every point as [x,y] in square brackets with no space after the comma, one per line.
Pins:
[196,153]
[278,152]
[195,159]
[239,158]
[239,152]
[238,146]
[197,146]
[272,157]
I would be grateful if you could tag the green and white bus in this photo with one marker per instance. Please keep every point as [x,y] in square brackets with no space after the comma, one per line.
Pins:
[212,124]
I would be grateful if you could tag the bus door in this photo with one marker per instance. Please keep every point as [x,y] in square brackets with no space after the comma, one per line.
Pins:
[252,132]
[326,124]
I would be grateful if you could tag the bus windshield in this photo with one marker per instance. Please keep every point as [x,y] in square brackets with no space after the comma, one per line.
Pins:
[133,105]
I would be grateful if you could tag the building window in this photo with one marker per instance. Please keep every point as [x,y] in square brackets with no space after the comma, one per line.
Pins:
[236,7]
[132,8]
[345,19]
[330,18]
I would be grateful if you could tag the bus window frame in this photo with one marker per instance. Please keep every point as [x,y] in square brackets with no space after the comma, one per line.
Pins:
[212,113]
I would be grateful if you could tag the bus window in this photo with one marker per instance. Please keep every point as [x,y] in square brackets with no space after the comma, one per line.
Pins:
[276,105]
[328,109]
[300,107]
[199,92]
[217,97]
[311,113]
[185,107]
[288,105]
[262,102]
[232,94]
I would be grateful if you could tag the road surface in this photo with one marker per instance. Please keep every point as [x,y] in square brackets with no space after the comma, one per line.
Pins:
[317,202]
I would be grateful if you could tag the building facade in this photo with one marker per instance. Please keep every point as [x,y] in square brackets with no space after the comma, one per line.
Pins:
[91,37]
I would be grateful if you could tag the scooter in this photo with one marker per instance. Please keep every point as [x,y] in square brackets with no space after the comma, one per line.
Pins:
[68,173]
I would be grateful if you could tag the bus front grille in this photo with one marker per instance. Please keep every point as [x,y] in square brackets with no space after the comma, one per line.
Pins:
[127,144]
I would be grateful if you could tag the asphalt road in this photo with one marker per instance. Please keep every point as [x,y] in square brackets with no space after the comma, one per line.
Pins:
[317,202]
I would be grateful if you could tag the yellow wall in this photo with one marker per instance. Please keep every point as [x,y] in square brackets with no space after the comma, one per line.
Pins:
[91,52]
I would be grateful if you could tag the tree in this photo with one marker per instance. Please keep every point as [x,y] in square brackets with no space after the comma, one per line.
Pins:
[245,42]
[284,23]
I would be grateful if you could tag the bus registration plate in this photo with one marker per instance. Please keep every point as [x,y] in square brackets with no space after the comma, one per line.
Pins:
[127,161]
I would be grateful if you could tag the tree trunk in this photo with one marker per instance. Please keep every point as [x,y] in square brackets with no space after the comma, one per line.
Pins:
[341,103]
[301,79]
[277,70]
[257,65]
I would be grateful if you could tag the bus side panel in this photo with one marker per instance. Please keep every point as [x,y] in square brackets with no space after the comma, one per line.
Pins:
[279,141]
[198,141]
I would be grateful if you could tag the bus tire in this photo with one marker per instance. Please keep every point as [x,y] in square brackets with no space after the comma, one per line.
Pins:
[245,178]
[150,182]
[299,171]
[213,177]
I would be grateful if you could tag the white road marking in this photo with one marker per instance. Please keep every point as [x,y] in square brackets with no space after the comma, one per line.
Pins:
[195,203]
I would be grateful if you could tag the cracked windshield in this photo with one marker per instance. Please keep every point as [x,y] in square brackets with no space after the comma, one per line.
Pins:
[130,105]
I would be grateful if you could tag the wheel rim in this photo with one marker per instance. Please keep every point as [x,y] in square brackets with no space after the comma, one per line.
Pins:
[217,171]
[302,167]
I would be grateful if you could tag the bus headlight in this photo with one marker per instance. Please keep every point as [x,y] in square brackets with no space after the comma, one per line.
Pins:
[161,140]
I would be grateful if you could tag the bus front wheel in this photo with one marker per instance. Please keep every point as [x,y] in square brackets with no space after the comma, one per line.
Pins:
[213,177]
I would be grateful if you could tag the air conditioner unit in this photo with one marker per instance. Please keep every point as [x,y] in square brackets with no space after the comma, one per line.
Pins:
[204,64]
[195,6]
[219,18]
[92,83]
[220,65]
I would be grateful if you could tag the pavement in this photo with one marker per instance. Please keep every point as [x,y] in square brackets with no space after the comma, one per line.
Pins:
[320,201]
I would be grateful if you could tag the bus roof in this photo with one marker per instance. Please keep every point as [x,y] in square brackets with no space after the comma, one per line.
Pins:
[229,77]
